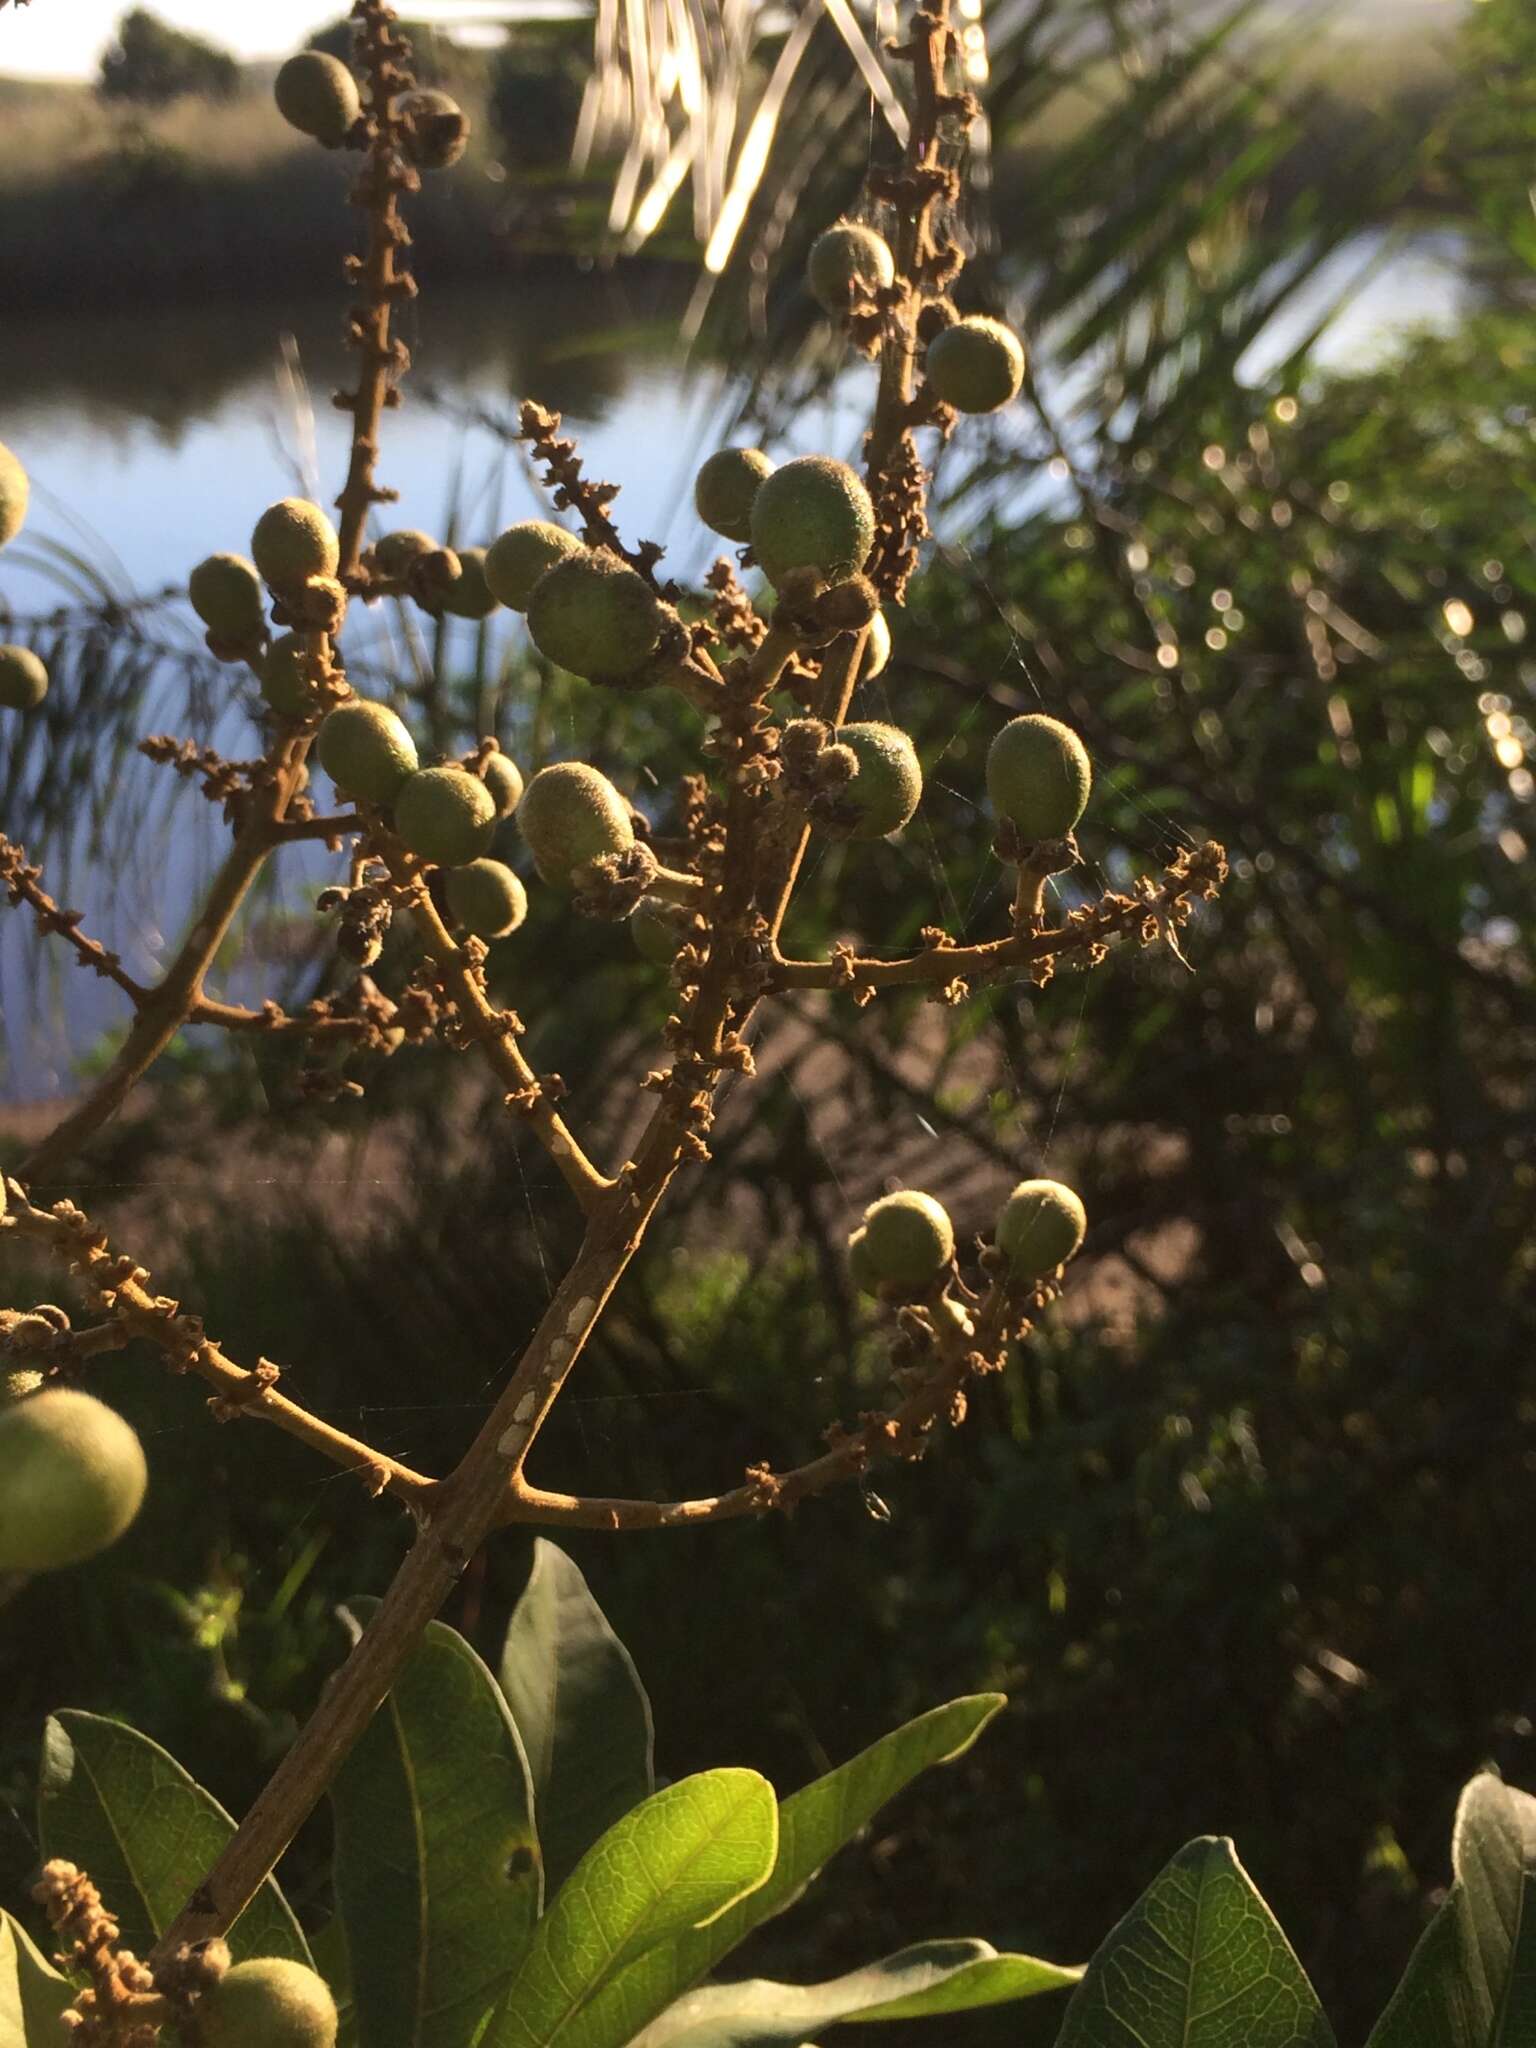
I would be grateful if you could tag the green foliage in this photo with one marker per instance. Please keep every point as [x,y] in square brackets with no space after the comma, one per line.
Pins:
[438,1881]
[437,1870]
[150,62]
[113,1802]
[582,1712]
[32,1993]
[438,1873]
[1472,1980]
[1198,1962]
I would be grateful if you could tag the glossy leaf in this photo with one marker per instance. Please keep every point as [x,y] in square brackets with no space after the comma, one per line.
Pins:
[813,1824]
[123,1809]
[1198,1962]
[1471,1982]
[676,1862]
[437,1866]
[580,1709]
[32,1993]
[915,1983]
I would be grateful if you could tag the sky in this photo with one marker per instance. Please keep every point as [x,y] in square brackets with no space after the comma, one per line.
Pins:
[65,38]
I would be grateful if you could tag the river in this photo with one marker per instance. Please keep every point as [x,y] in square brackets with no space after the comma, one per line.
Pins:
[155,440]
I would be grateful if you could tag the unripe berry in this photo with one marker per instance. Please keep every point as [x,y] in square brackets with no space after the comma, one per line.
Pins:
[1041,1226]
[907,1239]
[516,559]
[847,254]
[1039,776]
[657,930]
[813,513]
[317,94]
[284,677]
[436,128]
[395,552]
[72,1478]
[976,365]
[366,750]
[597,617]
[23,679]
[861,1269]
[724,489]
[226,594]
[445,815]
[268,2003]
[15,490]
[486,898]
[292,541]
[471,596]
[504,779]
[886,791]
[571,814]
[877,649]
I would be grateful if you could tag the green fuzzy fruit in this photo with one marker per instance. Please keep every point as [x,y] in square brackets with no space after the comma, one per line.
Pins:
[907,1239]
[292,541]
[877,649]
[1041,1226]
[268,2003]
[657,930]
[226,594]
[23,679]
[72,1478]
[516,559]
[284,677]
[487,899]
[366,750]
[445,815]
[813,513]
[435,128]
[888,787]
[504,779]
[597,617]
[976,365]
[725,487]
[318,95]
[847,254]
[471,597]
[571,814]
[860,1269]
[1039,776]
[395,553]
[17,1383]
[15,490]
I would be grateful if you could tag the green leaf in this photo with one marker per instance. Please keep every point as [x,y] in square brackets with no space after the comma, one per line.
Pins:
[145,1833]
[329,1947]
[580,1709]
[437,1864]
[1198,1962]
[915,1983]
[32,1993]
[676,1862]
[1471,1981]
[813,1824]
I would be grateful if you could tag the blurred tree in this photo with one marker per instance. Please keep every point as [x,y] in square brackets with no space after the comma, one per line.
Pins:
[1489,142]
[536,88]
[151,62]
[436,58]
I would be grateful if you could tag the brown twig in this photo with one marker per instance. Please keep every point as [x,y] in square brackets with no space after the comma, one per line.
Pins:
[22,884]
[494,1035]
[1149,911]
[384,54]
[119,1290]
